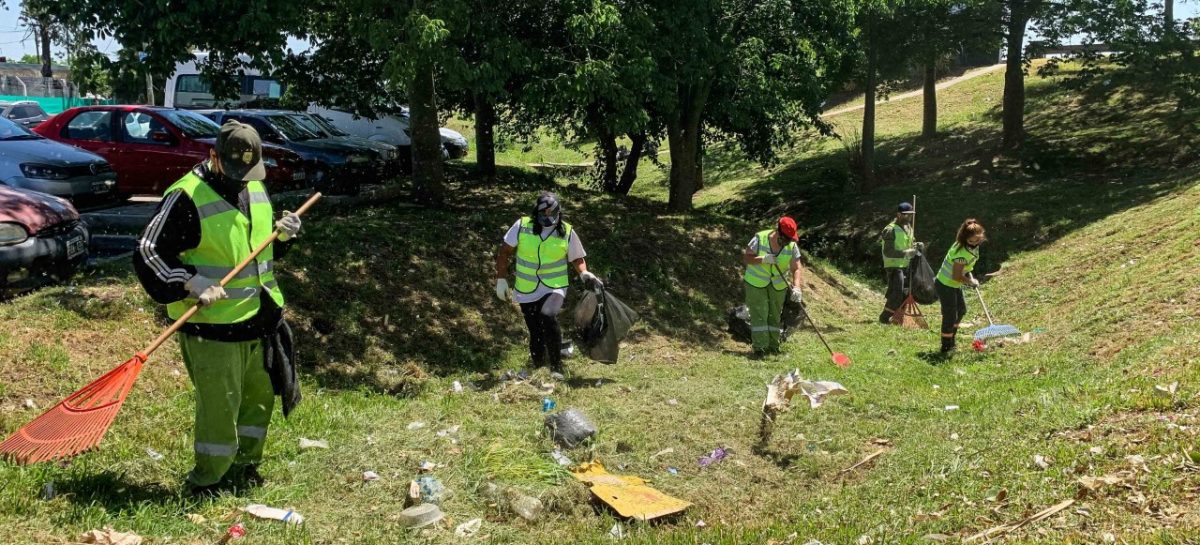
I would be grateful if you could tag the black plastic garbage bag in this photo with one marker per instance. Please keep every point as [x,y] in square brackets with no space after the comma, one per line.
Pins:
[570,428]
[601,321]
[922,278]
[738,320]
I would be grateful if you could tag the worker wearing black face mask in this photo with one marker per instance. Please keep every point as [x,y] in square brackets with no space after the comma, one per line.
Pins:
[546,247]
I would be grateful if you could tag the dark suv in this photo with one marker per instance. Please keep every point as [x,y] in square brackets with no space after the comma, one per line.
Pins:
[25,112]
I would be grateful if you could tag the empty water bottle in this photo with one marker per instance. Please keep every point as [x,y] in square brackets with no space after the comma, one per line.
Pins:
[548,405]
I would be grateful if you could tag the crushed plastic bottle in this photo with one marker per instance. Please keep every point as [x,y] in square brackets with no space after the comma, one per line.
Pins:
[548,405]
[431,488]
[561,458]
[274,513]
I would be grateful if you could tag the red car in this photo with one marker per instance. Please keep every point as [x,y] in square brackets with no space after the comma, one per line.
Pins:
[150,147]
[41,239]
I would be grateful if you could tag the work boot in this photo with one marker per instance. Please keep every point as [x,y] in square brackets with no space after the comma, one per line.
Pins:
[557,367]
[206,491]
[251,476]
[885,317]
[947,345]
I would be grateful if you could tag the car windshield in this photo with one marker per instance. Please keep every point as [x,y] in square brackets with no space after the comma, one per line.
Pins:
[290,128]
[325,124]
[310,124]
[192,124]
[13,131]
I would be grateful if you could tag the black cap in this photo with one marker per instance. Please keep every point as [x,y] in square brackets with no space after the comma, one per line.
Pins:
[240,150]
[905,208]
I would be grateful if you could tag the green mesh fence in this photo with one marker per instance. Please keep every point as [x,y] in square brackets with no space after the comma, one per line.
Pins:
[54,105]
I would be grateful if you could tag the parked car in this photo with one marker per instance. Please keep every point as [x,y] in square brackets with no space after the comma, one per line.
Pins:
[341,167]
[150,147]
[25,112]
[392,129]
[41,239]
[29,161]
[390,163]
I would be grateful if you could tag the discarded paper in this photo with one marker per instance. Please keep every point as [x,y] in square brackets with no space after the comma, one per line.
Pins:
[108,536]
[628,495]
[306,444]
[468,528]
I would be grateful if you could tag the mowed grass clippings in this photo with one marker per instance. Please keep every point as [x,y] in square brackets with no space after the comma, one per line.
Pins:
[393,304]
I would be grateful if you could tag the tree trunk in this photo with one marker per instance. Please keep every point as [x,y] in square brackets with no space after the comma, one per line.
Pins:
[1169,13]
[1014,80]
[607,141]
[929,120]
[683,137]
[629,175]
[485,137]
[868,124]
[47,71]
[428,185]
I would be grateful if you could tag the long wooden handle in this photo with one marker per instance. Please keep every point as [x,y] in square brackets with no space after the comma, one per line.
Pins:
[228,277]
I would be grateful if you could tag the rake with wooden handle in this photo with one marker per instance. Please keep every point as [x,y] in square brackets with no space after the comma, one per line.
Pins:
[78,423]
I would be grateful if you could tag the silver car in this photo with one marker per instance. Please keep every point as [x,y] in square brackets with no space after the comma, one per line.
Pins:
[29,161]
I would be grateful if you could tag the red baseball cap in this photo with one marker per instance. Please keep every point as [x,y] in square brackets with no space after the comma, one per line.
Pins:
[787,227]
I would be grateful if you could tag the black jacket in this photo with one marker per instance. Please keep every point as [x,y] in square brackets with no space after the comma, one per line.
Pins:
[174,229]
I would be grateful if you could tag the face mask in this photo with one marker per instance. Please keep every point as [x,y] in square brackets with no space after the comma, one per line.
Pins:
[547,221]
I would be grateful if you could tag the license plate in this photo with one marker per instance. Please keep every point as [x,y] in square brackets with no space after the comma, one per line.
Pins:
[76,246]
[299,175]
[99,187]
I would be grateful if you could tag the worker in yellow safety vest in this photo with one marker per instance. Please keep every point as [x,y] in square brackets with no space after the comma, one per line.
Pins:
[898,248]
[546,247]
[954,275]
[768,254]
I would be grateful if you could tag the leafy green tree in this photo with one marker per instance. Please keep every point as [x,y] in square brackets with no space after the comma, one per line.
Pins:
[749,71]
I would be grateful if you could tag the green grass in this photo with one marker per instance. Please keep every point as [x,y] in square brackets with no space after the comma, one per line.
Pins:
[393,304]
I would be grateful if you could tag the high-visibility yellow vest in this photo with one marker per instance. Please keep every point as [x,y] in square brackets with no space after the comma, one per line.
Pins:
[946,273]
[541,261]
[226,238]
[760,276]
[903,241]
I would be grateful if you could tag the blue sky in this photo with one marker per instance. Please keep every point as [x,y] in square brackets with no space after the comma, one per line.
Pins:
[15,41]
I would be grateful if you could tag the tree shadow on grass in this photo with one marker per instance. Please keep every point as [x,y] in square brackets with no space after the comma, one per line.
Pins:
[116,493]
[374,290]
[1069,175]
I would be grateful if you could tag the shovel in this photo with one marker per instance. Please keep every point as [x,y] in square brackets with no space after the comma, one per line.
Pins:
[993,330]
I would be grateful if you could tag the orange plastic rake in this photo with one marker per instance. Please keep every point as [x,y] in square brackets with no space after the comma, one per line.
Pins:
[78,423]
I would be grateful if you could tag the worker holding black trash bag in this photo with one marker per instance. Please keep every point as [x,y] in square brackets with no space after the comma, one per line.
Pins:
[546,247]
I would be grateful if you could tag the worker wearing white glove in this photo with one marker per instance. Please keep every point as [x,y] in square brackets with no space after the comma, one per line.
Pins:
[898,249]
[205,290]
[502,289]
[954,275]
[546,248]
[772,261]
[795,296]
[288,226]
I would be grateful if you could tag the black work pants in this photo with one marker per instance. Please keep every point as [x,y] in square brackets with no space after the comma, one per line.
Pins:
[897,279]
[545,336]
[954,307]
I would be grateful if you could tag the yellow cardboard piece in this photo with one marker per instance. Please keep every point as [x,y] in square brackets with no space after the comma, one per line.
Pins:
[627,495]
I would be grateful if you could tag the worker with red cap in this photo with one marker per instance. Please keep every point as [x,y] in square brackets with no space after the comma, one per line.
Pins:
[767,255]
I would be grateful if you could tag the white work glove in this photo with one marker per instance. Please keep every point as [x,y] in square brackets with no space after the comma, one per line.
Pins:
[910,253]
[920,246]
[972,282]
[795,296]
[770,259]
[590,280]
[502,289]
[288,226]
[205,290]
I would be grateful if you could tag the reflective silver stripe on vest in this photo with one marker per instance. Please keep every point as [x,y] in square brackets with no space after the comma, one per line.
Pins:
[270,284]
[215,449]
[213,208]
[764,328]
[241,293]
[523,263]
[216,272]
[258,197]
[554,264]
[552,276]
[253,432]
[526,276]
